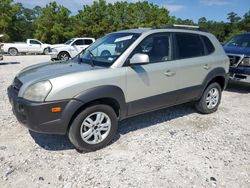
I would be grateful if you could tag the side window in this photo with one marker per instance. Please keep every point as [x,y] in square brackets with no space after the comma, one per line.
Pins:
[78,42]
[209,46]
[157,47]
[188,46]
[88,41]
[34,42]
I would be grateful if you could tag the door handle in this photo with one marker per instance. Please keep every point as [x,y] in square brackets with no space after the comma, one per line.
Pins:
[169,73]
[207,67]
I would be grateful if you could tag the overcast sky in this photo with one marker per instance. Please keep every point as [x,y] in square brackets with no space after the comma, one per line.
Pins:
[186,9]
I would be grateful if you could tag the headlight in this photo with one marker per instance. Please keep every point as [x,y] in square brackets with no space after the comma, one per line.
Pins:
[245,62]
[38,91]
[54,50]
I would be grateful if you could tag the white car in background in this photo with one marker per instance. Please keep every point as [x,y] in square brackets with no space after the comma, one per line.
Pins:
[70,48]
[30,46]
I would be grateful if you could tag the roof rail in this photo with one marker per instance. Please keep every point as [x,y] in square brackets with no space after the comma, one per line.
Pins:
[187,27]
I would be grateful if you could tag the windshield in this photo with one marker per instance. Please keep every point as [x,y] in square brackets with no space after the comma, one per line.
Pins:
[106,50]
[69,41]
[240,41]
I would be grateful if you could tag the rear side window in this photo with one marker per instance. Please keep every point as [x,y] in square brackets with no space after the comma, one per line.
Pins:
[88,41]
[208,44]
[79,42]
[188,46]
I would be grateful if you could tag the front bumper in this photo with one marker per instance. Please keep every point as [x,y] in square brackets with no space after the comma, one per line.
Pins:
[53,55]
[38,117]
[239,73]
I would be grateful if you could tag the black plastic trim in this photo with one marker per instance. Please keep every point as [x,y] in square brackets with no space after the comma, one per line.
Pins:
[103,92]
[217,72]
[37,116]
[163,100]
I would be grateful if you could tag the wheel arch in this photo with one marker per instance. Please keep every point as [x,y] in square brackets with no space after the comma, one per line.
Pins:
[12,48]
[108,95]
[63,51]
[218,75]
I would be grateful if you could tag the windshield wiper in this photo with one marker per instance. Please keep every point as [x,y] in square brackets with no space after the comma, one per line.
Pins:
[91,58]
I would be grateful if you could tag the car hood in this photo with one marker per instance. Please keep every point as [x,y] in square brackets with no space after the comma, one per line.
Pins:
[237,50]
[45,71]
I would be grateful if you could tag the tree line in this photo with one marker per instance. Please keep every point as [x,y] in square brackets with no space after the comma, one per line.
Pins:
[55,24]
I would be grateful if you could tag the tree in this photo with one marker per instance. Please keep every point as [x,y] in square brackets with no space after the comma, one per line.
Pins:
[54,24]
[233,18]
[101,17]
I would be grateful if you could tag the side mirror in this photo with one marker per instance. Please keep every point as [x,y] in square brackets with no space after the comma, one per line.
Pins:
[139,59]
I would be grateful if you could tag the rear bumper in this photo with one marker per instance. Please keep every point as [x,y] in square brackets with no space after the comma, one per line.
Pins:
[38,117]
[240,74]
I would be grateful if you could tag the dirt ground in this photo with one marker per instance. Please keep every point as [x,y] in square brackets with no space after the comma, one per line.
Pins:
[174,147]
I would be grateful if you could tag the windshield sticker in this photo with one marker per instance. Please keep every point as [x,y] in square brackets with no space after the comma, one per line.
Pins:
[123,38]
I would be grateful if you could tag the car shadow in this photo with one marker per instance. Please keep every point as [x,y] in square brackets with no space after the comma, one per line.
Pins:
[239,87]
[9,63]
[58,142]
[51,142]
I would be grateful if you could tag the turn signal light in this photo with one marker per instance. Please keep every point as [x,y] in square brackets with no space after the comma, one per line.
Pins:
[56,109]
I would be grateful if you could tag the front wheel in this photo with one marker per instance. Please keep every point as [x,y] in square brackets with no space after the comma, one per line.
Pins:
[93,128]
[46,51]
[210,99]
[64,56]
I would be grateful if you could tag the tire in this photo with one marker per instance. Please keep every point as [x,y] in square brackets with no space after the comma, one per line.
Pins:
[63,56]
[46,51]
[90,141]
[13,51]
[210,99]
[105,53]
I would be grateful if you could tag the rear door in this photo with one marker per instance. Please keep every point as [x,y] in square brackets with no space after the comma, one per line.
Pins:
[195,63]
[152,86]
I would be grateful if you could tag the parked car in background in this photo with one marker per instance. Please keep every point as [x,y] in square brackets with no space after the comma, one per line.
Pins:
[238,51]
[30,46]
[123,74]
[70,48]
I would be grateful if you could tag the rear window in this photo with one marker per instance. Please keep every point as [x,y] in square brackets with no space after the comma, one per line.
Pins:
[208,44]
[188,46]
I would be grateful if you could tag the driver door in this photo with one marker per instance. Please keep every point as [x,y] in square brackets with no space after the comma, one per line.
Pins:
[35,46]
[77,47]
[152,86]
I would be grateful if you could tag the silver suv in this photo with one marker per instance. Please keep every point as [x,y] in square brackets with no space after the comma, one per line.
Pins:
[121,75]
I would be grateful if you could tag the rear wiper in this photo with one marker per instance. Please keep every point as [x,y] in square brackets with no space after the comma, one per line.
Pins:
[91,58]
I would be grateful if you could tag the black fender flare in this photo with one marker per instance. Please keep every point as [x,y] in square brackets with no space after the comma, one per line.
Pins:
[102,92]
[217,72]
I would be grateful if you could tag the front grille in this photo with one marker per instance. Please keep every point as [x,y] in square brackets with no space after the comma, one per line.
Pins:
[17,84]
[234,60]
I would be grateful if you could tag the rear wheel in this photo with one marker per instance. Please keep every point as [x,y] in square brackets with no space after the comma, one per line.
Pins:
[93,128]
[210,99]
[64,56]
[13,51]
